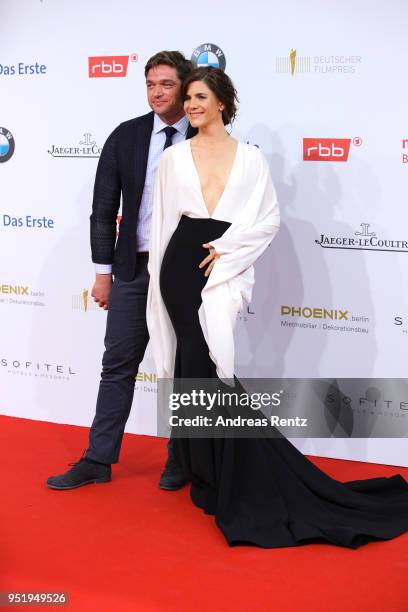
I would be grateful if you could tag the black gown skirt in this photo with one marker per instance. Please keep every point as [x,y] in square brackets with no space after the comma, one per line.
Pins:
[263,491]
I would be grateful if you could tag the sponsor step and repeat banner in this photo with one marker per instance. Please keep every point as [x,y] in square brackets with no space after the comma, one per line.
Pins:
[322,94]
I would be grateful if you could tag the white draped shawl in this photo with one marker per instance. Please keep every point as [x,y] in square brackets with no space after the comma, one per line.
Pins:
[249,203]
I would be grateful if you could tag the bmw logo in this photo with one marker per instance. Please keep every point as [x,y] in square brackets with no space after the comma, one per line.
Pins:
[6,144]
[208,54]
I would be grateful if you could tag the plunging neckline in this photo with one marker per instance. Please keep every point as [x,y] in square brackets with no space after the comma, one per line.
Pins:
[211,216]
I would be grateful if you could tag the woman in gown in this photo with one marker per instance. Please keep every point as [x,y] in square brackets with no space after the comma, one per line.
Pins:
[215,212]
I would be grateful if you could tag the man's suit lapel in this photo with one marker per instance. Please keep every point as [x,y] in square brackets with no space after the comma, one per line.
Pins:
[144,129]
[142,143]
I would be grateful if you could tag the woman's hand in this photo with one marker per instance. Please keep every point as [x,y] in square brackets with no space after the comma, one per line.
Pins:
[210,259]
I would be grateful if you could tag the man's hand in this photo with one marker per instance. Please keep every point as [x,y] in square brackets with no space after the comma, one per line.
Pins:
[101,290]
[210,259]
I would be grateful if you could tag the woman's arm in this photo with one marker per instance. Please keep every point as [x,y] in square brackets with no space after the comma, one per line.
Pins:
[163,219]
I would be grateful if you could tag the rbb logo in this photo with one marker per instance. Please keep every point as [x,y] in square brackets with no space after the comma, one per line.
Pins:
[108,66]
[326,149]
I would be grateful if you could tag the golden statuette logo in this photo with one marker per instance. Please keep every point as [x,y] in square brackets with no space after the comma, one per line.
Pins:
[292,57]
[85,294]
[292,62]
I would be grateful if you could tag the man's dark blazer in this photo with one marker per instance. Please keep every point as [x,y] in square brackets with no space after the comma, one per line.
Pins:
[121,170]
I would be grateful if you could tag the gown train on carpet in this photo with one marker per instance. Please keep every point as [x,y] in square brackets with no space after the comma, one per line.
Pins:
[263,491]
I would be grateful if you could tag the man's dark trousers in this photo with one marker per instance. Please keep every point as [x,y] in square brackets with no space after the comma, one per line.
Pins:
[125,344]
[121,172]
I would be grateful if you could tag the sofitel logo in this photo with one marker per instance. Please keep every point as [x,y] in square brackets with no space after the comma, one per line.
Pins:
[86,147]
[37,369]
[401,321]
[245,314]
[363,240]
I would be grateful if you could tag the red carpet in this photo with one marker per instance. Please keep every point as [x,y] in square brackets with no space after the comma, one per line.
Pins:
[127,546]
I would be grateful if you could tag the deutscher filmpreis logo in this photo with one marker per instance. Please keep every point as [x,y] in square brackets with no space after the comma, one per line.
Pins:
[342,64]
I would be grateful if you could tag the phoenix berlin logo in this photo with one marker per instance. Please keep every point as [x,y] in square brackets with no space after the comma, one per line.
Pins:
[331,319]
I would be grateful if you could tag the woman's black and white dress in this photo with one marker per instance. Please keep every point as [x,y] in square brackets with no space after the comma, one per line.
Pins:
[262,491]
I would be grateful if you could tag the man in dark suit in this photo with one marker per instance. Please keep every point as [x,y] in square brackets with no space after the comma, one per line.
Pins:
[126,168]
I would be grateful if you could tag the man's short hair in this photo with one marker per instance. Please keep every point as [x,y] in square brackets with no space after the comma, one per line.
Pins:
[175,59]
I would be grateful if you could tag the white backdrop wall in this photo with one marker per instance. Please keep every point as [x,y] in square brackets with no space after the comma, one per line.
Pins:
[303,70]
